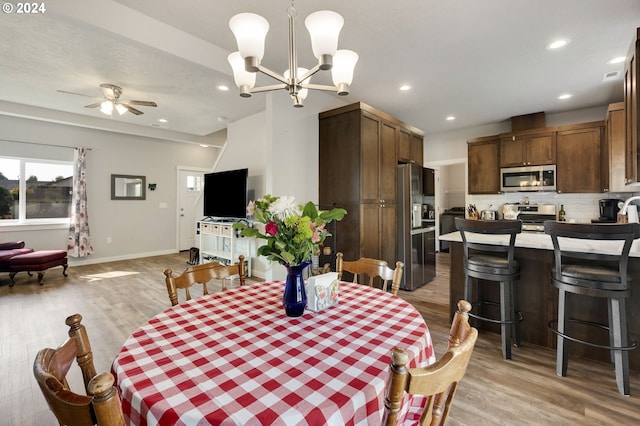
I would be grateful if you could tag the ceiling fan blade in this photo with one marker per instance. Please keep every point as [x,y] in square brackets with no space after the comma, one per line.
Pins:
[142,103]
[132,109]
[96,105]
[78,94]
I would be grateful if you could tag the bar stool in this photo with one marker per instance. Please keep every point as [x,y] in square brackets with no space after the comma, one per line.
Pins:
[495,263]
[595,275]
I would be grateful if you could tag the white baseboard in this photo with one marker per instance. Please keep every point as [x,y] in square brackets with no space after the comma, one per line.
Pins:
[91,259]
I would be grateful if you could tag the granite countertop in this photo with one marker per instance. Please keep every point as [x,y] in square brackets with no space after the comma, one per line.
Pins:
[542,241]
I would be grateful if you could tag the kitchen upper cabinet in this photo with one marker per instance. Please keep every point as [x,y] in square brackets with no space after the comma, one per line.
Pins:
[579,152]
[417,153]
[632,110]
[613,162]
[377,160]
[528,149]
[428,181]
[358,154]
[410,147]
[483,165]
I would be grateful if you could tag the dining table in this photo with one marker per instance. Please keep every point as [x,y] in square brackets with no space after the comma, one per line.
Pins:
[235,358]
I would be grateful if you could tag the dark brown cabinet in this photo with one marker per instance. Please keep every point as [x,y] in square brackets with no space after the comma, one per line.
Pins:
[484,165]
[527,149]
[417,153]
[410,147]
[428,182]
[359,148]
[613,166]
[632,110]
[579,152]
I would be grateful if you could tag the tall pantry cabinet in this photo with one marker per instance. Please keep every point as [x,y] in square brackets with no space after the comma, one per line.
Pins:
[358,172]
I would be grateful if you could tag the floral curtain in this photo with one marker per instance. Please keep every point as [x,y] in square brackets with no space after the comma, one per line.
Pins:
[79,240]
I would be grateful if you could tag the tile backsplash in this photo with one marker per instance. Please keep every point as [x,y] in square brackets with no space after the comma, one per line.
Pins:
[579,207]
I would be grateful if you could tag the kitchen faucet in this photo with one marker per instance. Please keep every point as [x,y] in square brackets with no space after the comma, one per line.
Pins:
[623,209]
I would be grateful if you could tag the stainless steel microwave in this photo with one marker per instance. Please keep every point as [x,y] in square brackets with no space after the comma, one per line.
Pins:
[530,178]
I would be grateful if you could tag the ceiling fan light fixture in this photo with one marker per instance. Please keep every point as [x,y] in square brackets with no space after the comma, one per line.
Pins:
[324,27]
[106,107]
[121,109]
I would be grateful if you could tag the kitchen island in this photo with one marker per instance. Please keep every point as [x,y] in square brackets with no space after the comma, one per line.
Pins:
[538,299]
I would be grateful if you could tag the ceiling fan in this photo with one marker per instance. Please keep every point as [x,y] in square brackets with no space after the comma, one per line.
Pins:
[112,100]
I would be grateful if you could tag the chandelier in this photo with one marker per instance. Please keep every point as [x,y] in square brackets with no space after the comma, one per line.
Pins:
[250,31]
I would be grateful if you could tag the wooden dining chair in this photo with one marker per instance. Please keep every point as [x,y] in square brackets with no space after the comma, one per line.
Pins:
[101,403]
[439,381]
[372,268]
[202,274]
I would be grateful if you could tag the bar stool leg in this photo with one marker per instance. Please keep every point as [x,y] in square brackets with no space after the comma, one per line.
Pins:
[619,326]
[515,313]
[468,293]
[562,357]
[505,315]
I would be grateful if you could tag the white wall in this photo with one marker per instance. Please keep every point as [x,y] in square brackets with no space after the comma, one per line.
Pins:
[136,228]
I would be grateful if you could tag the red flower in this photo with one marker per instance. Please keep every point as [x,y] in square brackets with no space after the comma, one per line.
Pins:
[271,228]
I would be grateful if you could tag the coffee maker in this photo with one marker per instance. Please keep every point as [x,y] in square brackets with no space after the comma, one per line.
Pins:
[608,210]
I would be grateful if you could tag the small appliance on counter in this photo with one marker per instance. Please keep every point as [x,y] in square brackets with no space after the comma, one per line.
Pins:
[489,214]
[609,208]
[531,215]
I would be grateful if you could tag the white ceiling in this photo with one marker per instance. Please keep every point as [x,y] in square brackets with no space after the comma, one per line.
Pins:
[480,60]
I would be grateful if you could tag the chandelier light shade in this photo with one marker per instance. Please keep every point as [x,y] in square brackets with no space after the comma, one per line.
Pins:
[244,80]
[302,93]
[342,72]
[250,31]
[324,26]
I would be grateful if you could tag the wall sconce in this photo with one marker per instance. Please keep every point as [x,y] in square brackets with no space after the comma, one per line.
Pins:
[152,187]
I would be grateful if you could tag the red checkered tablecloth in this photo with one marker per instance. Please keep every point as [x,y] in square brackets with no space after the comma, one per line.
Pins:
[234,358]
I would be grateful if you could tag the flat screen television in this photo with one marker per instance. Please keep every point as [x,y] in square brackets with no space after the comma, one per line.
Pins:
[225,194]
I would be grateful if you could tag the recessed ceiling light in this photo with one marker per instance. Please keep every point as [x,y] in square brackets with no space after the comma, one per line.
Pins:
[450,117]
[564,96]
[405,87]
[557,44]
[204,146]
[223,88]
[162,120]
[617,60]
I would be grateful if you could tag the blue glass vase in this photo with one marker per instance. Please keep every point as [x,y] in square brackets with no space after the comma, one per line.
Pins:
[294,298]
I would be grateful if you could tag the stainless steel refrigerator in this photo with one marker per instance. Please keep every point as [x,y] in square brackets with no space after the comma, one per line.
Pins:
[416,243]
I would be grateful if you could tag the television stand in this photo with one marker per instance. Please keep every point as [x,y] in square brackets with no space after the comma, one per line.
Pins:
[219,242]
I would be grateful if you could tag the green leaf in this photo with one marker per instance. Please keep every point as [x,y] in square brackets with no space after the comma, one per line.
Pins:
[335,214]
[310,210]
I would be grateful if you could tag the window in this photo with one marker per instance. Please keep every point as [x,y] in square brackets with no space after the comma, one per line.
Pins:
[47,187]
[194,183]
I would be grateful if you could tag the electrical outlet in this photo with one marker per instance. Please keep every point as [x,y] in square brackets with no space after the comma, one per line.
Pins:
[108,240]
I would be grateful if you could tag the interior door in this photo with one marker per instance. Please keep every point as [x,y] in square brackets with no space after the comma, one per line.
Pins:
[190,186]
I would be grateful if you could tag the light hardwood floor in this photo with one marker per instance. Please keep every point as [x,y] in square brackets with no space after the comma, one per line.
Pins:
[115,298]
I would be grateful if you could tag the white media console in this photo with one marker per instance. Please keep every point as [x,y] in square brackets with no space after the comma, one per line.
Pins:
[219,242]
